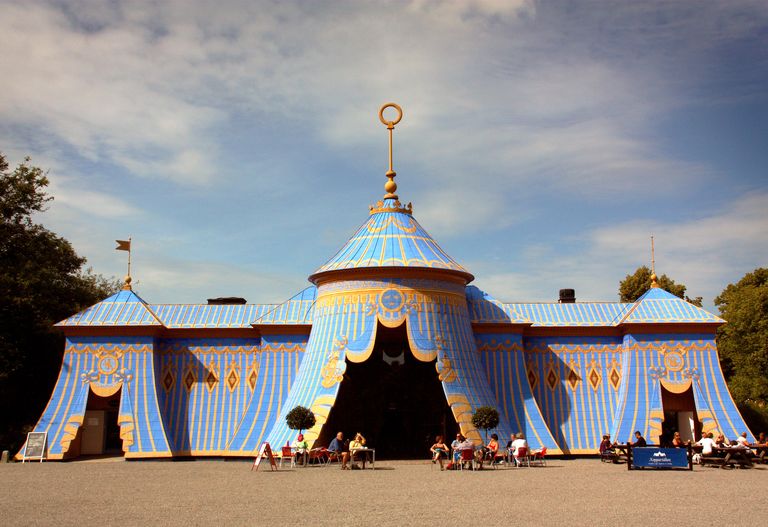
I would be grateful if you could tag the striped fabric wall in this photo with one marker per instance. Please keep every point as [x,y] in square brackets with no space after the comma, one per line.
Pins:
[219,396]
[575,381]
[505,367]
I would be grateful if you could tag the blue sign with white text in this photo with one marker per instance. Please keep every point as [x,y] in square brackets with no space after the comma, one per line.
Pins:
[651,457]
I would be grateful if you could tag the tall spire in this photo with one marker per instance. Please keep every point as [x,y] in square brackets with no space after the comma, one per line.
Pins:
[654,283]
[390,186]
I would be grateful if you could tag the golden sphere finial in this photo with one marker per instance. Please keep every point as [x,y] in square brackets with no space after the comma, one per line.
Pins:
[654,283]
[127,284]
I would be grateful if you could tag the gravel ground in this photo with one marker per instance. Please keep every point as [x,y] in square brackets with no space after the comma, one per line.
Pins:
[204,492]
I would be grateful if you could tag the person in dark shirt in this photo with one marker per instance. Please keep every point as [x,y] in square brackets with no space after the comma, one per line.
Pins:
[639,440]
[606,447]
[341,448]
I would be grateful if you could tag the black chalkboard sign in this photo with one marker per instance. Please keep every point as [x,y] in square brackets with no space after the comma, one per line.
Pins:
[35,447]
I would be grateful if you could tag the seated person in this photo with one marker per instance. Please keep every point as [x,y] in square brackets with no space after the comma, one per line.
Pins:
[742,440]
[639,440]
[721,441]
[677,441]
[761,447]
[357,443]
[518,443]
[456,446]
[300,447]
[492,448]
[340,448]
[439,451]
[706,443]
[466,444]
[606,447]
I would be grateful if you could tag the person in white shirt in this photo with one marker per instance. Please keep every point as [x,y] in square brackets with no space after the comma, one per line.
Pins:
[706,443]
[742,440]
[518,443]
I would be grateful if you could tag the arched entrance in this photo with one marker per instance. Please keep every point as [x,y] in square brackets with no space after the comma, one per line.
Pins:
[679,414]
[393,399]
[100,433]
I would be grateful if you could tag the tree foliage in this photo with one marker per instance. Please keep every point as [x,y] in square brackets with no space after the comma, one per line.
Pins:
[300,418]
[485,417]
[743,340]
[42,281]
[635,285]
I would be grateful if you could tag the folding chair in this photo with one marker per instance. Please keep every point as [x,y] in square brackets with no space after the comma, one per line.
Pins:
[287,452]
[332,456]
[537,457]
[467,455]
[318,455]
[521,457]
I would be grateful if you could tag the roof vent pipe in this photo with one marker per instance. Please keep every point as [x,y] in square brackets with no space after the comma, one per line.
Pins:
[567,296]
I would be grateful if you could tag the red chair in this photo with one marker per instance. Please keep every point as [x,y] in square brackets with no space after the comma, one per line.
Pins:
[537,457]
[521,457]
[318,455]
[467,456]
[287,452]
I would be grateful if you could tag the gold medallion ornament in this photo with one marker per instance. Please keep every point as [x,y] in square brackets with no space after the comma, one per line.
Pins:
[108,364]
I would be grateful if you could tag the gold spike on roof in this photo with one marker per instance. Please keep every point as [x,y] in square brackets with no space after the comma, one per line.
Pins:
[390,186]
[654,283]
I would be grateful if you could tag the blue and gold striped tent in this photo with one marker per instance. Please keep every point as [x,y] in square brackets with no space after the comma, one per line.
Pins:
[218,380]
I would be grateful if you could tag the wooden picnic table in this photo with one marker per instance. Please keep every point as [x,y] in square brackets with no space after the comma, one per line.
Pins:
[728,456]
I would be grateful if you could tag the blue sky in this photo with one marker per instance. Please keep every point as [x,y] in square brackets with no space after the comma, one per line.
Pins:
[542,143]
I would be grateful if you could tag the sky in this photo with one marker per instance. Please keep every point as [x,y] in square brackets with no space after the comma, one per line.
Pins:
[542,144]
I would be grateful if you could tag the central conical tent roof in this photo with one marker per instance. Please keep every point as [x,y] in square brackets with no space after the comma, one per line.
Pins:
[391,238]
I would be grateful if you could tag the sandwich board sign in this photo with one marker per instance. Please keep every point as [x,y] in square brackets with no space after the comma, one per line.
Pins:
[265,451]
[35,446]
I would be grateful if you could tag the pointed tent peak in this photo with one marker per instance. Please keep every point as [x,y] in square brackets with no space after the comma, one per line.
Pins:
[124,308]
[391,238]
[660,306]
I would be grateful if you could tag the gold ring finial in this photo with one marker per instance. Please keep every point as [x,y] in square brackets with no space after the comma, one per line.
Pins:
[390,186]
[390,124]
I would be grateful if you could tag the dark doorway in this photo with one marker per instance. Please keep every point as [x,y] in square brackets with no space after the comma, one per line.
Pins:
[100,431]
[679,416]
[393,399]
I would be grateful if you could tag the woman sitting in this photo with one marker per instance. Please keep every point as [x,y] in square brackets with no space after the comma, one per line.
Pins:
[439,451]
[677,441]
[356,444]
[491,450]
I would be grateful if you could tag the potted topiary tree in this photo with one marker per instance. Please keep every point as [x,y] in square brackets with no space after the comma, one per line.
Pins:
[485,417]
[300,418]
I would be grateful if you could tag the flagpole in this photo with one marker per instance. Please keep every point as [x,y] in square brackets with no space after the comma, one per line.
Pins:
[129,256]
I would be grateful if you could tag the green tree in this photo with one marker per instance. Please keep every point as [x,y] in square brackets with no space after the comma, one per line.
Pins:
[743,340]
[485,417]
[300,418]
[635,285]
[42,281]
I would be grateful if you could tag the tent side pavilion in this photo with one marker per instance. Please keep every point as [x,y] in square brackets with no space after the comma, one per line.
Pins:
[390,340]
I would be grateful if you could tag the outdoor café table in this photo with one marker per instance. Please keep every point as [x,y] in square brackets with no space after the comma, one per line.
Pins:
[734,455]
[365,451]
[621,450]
